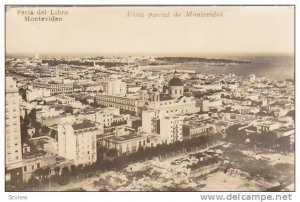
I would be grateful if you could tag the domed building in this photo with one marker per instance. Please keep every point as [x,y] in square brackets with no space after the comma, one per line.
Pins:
[175,87]
[173,102]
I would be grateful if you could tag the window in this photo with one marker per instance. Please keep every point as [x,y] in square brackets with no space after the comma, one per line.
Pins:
[32,167]
[38,165]
[25,168]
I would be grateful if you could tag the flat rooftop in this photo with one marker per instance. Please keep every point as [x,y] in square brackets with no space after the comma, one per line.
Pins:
[83,125]
[124,138]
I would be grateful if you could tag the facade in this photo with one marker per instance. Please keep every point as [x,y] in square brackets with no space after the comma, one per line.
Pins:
[55,88]
[35,161]
[114,87]
[105,118]
[78,142]
[151,121]
[195,130]
[13,149]
[41,159]
[266,126]
[63,99]
[182,105]
[171,128]
[124,141]
[124,103]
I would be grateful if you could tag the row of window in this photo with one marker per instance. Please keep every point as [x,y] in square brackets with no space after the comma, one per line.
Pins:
[32,167]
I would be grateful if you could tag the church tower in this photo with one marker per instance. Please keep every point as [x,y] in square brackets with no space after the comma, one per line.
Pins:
[155,97]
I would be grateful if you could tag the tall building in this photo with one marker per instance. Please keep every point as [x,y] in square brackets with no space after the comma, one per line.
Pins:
[151,121]
[114,87]
[13,155]
[171,128]
[78,142]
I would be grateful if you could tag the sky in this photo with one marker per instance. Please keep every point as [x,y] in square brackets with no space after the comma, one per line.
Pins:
[110,31]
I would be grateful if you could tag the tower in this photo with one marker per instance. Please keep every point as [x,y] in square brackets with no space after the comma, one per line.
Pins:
[13,155]
[155,97]
[143,93]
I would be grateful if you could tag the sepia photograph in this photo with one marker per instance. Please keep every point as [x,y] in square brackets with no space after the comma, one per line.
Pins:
[152,98]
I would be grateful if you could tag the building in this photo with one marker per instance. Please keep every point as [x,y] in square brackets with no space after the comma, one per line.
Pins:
[32,94]
[151,121]
[266,126]
[173,102]
[13,148]
[113,87]
[175,87]
[78,142]
[63,99]
[171,128]
[197,129]
[104,118]
[35,157]
[127,104]
[124,141]
[55,87]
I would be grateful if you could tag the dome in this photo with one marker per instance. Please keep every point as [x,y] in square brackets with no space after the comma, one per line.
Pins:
[175,82]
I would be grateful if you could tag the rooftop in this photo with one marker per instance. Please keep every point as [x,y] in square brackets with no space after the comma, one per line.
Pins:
[83,125]
[124,137]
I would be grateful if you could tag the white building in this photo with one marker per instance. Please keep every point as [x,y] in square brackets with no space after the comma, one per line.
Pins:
[114,87]
[13,155]
[78,142]
[171,128]
[150,121]
[32,94]
[104,118]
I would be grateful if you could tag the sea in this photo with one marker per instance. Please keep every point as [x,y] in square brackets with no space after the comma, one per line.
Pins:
[277,67]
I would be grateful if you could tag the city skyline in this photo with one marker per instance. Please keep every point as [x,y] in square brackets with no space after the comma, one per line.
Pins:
[205,103]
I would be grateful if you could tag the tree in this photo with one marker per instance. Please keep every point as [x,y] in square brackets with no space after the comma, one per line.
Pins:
[39,173]
[26,120]
[65,171]
[64,177]
[53,134]
[24,126]
[74,171]
[33,182]
[112,152]
[284,143]
[46,172]
[269,139]
[57,170]
[45,129]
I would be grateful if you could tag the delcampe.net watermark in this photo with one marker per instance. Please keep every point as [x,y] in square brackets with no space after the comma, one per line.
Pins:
[246,197]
